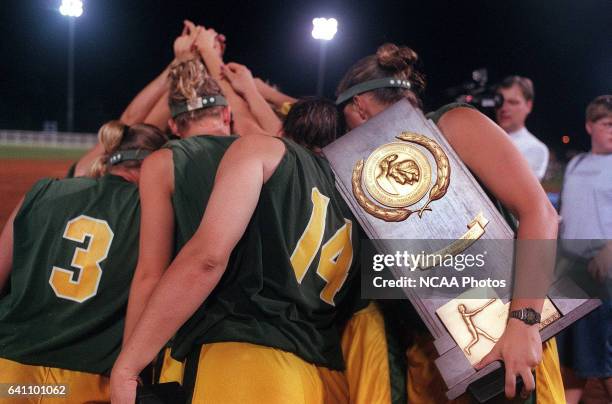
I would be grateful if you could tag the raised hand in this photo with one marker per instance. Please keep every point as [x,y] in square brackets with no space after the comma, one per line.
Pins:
[240,78]
[184,43]
[206,39]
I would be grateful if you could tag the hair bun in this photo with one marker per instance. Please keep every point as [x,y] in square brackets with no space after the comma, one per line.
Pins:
[393,57]
[111,134]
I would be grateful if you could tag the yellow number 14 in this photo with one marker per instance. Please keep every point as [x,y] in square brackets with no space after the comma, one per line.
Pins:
[336,254]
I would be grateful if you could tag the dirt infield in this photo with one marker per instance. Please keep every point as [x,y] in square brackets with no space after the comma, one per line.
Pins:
[18,176]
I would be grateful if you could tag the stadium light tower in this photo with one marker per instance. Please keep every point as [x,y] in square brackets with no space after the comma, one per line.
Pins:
[324,30]
[71,9]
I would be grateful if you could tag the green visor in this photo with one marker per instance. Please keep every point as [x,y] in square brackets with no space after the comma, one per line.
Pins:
[125,155]
[206,101]
[371,85]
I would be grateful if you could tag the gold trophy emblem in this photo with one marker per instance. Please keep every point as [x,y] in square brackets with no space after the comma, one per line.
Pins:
[398,175]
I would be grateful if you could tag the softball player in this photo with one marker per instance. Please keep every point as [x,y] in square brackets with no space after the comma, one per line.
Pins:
[68,256]
[268,328]
[369,87]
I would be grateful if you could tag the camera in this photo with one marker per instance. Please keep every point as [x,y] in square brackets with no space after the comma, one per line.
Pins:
[476,92]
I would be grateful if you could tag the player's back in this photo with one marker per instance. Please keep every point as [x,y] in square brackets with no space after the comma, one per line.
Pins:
[195,161]
[294,266]
[74,253]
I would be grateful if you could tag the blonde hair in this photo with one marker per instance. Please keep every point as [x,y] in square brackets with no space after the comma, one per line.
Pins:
[389,60]
[115,136]
[190,80]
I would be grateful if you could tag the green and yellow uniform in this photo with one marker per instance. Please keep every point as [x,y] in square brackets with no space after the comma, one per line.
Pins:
[74,253]
[274,309]
[195,160]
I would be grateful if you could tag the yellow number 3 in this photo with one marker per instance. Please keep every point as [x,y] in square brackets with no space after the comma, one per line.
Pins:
[336,254]
[87,260]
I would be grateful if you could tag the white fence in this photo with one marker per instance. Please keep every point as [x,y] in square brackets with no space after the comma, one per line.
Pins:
[47,139]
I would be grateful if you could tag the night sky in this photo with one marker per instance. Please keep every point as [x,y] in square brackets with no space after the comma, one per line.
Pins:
[565,47]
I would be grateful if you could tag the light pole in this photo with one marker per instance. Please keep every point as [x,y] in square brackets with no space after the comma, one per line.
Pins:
[71,9]
[324,30]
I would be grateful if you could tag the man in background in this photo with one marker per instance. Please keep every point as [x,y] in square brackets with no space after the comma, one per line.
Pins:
[518,101]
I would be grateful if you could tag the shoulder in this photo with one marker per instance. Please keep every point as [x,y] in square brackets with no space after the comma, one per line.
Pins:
[38,189]
[49,190]
[574,162]
[437,114]
[64,185]
[262,151]
[535,142]
[462,119]
[158,169]
[157,160]
[260,146]
[460,114]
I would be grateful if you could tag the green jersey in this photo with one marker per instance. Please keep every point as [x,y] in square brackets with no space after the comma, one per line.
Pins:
[195,162]
[74,253]
[293,269]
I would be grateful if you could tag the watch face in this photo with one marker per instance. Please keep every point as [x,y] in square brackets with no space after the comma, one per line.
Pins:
[528,316]
[531,317]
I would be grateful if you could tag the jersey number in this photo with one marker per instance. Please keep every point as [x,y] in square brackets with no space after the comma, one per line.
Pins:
[87,260]
[336,253]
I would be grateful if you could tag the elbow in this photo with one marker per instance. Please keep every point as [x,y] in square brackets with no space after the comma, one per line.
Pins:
[549,214]
[549,220]
[206,261]
[540,220]
[212,264]
[553,217]
[133,114]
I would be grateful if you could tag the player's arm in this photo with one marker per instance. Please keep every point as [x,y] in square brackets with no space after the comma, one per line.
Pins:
[145,101]
[244,122]
[6,247]
[137,111]
[275,97]
[159,115]
[150,104]
[504,171]
[156,232]
[197,269]
[241,79]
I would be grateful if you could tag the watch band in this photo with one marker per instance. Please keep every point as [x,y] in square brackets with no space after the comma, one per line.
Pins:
[526,315]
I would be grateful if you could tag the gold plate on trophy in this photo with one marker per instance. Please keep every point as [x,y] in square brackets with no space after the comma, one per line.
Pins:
[397,174]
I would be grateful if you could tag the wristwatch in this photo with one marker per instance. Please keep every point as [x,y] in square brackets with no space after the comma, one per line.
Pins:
[528,316]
